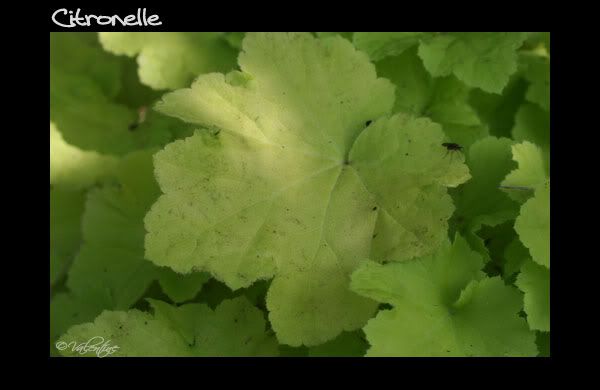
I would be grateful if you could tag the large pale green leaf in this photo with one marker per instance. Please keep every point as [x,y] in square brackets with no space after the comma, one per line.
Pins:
[290,183]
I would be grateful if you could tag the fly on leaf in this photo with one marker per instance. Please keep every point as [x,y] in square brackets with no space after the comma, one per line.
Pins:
[451,147]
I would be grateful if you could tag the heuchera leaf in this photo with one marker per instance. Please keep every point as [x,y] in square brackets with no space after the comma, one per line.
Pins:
[515,255]
[536,70]
[480,201]
[82,101]
[379,45]
[346,35]
[110,266]
[235,328]
[74,169]
[81,54]
[346,344]
[443,305]
[498,111]
[304,201]
[534,281]
[533,124]
[532,172]
[484,60]
[533,225]
[444,100]
[66,208]
[171,60]
[291,183]
[543,343]
[67,310]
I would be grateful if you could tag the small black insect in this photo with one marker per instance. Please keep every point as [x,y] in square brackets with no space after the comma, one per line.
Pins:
[451,147]
[368,123]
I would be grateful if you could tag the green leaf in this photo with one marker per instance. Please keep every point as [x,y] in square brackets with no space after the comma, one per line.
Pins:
[110,265]
[449,107]
[532,172]
[484,60]
[533,225]
[80,54]
[346,344]
[428,280]
[538,41]
[498,112]
[534,281]
[536,70]
[235,328]
[67,310]
[82,100]
[346,35]
[234,39]
[496,239]
[480,201]
[444,100]
[66,208]
[171,60]
[443,306]
[543,343]
[379,45]
[268,192]
[515,256]
[414,86]
[288,351]
[533,124]
[74,169]
[133,93]
[181,288]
